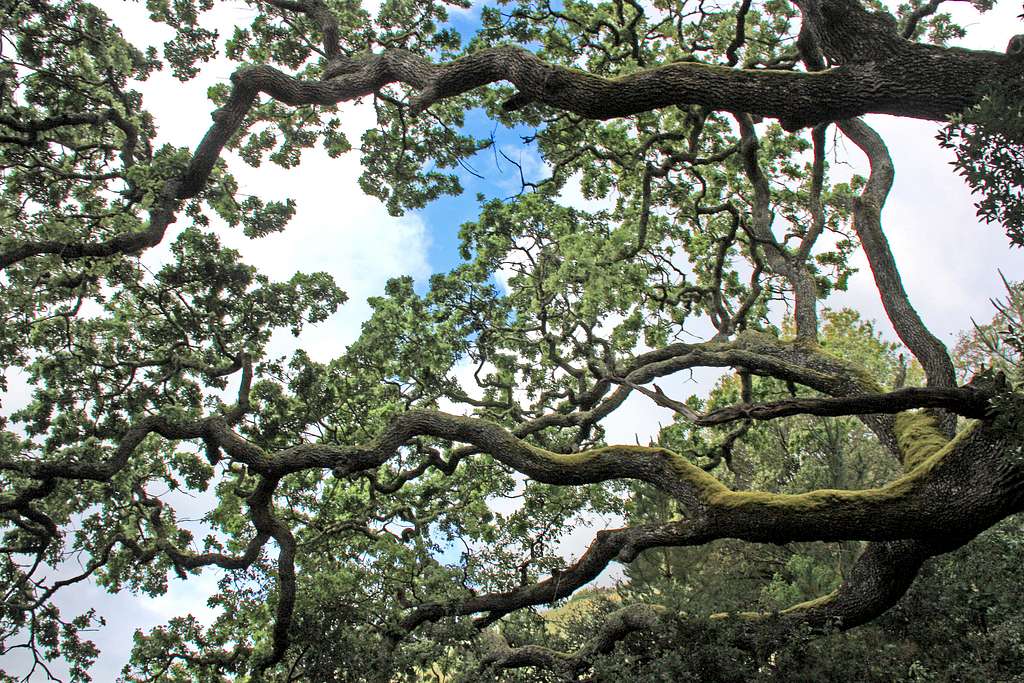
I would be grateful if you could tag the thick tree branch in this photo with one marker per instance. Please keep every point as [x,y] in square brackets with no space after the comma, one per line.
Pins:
[956,491]
[880,577]
[867,213]
[929,504]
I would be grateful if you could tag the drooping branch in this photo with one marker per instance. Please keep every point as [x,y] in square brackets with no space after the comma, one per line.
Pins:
[621,545]
[879,578]
[901,509]
[32,128]
[919,506]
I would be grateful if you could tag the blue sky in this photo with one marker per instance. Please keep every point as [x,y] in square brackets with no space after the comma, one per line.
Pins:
[492,176]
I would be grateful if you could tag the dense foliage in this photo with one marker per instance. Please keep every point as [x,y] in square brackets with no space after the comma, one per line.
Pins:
[376,518]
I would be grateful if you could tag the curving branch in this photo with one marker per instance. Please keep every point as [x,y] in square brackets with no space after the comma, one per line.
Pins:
[918,506]
[881,576]
[792,266]
[867,222]
[963,401]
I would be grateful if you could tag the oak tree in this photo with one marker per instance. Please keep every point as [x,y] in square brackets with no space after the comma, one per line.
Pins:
[337,491]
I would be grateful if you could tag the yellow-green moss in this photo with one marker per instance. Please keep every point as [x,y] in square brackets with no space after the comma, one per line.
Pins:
[813,602]
[929,460]
[761,616]
[812,500]
[583,457]
[923,445]
[918,437]
[705,484]
[568,459]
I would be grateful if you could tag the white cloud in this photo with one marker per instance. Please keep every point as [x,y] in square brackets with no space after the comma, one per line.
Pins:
[339,230]
[467,13]
[573,197]
[194,592]
[947,260]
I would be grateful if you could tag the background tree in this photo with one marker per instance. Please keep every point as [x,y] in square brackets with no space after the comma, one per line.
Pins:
[351,502]
[958,620]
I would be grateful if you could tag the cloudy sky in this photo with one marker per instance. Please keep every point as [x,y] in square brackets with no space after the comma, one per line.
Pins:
[949,262]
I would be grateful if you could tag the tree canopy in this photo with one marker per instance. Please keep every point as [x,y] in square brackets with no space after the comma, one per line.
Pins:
[360,508]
